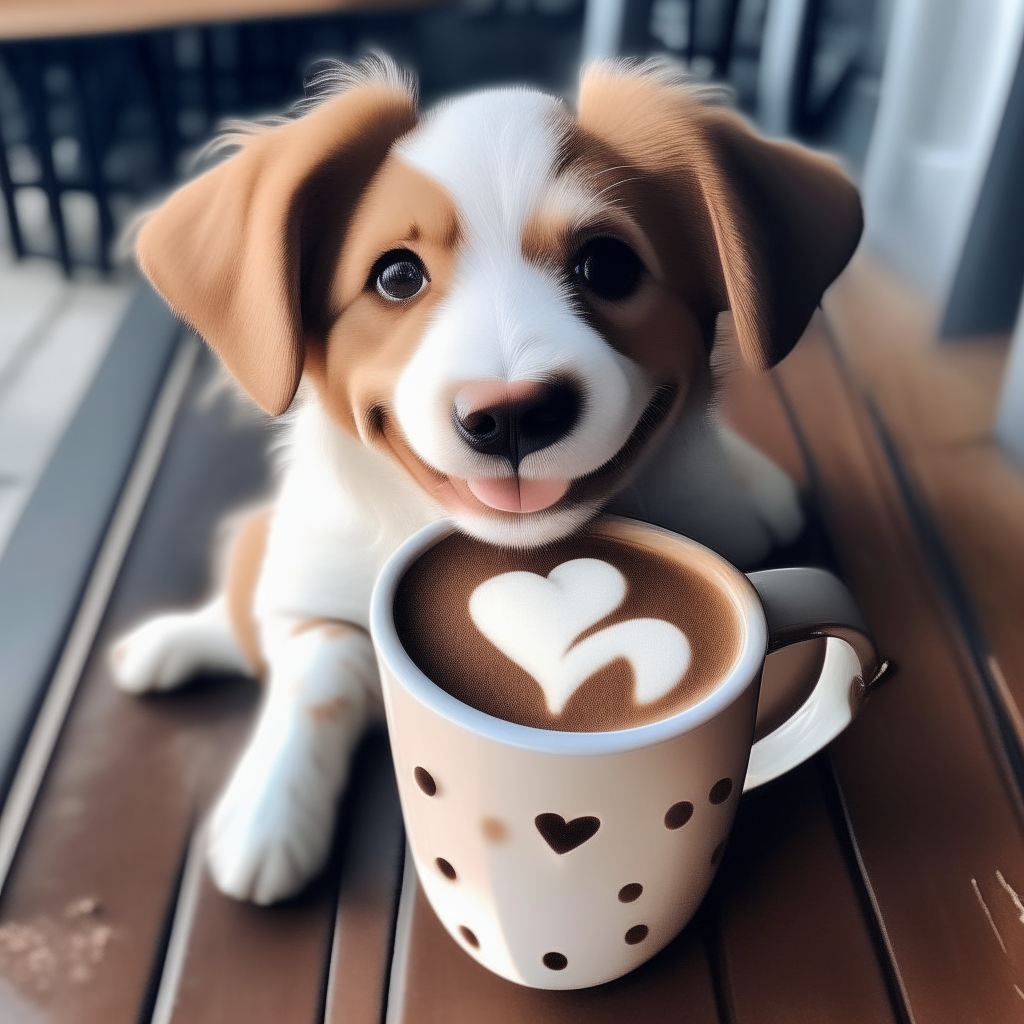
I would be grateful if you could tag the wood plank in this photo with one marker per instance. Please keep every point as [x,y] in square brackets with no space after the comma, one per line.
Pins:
[50,553]
[235,963]
[938,398]
[22,19]
[794,939]
[934,393]
[248,965]
[927,795]
[371,874]
[88,898]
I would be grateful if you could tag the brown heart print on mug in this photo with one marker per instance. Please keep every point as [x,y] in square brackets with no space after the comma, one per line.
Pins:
[563,836]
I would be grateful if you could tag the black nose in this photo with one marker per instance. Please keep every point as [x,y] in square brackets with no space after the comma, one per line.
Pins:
[511,430]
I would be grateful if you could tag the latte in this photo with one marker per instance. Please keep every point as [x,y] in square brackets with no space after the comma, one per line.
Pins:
[591,634]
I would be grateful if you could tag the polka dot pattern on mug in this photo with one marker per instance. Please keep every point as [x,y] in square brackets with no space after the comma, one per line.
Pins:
[565,834]
[678,814]
[494,830]
[425,780]
[720,791]
[630,893]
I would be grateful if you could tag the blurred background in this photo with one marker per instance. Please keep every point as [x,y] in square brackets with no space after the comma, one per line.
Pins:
[103,102]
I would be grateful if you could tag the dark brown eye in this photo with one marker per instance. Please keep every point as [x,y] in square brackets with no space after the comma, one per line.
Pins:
[398,275]
[607,267]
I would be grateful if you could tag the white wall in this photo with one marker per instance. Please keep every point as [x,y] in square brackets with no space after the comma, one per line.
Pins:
[948,71]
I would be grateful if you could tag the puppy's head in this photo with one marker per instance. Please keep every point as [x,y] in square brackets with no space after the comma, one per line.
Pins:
[508,298]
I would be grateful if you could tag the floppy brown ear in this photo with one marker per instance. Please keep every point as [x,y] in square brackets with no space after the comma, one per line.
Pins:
[784,220]
[237,251]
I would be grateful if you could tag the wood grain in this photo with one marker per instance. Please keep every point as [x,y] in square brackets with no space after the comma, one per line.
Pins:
[371,873]
[938,399]
[795,941]
[22,19]
[255,965]
[85,909]
[927,796]
[241,964]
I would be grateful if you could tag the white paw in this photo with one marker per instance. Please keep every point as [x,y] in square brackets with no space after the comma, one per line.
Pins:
[769,488]
[271,829]
[169,650]
[155,656]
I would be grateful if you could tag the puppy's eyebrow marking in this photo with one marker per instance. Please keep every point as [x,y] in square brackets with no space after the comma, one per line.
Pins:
[448,236]
[566,207]
[545,240]
[570,211]
[453,233]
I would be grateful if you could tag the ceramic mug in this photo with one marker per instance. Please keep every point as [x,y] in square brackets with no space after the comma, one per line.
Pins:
[561,860]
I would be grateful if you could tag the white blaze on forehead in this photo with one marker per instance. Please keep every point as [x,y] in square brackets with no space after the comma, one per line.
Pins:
[569,199]
[495,152]
[503,317]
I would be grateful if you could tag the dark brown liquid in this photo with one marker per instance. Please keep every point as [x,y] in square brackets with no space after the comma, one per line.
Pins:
[434,624]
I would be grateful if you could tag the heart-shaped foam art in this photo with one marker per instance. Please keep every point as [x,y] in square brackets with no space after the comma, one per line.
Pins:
[534,621]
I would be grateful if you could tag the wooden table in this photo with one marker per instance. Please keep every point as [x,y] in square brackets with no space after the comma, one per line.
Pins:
[29,19]
[882,882]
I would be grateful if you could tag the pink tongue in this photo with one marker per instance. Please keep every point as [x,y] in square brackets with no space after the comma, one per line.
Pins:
[513,495]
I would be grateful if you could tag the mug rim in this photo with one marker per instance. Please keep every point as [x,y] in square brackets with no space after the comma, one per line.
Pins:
[407,674]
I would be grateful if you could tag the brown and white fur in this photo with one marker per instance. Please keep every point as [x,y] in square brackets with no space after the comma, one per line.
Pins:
[271,255]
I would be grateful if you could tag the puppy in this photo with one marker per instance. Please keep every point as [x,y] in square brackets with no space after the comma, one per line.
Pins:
[500,311]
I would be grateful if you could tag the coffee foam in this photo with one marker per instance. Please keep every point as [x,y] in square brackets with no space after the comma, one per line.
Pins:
[602,634]
[535,621]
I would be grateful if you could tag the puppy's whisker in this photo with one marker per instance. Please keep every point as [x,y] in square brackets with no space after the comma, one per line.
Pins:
[608,170]
[615,184]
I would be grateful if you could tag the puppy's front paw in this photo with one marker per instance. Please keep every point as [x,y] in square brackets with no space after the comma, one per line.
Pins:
[770,490]
[156,656]
[167,651]
[271,830]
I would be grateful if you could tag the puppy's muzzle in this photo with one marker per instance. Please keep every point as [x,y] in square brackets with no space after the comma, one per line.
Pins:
[509,420]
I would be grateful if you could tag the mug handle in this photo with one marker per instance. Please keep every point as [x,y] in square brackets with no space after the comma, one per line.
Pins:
[800,604]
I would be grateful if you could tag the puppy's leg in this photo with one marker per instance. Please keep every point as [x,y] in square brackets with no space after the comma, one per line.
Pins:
[710,484]
[769,488]
[737,500]
[271,829]
[168,650]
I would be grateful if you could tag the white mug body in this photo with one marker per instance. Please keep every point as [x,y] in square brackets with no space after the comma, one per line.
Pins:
[562,860]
